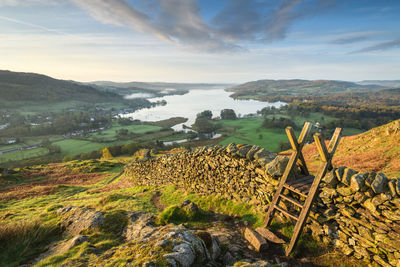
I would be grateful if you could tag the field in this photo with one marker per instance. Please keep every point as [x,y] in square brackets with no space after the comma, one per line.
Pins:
[111,133]
[21,155]
[250,131]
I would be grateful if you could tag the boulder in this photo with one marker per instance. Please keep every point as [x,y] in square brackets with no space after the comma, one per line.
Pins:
[140,226]
[243,151]
[77,219]
[357,182]
[256,240]
[277,167]
[379,185]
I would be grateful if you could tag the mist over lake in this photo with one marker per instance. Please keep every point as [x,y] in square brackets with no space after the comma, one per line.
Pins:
[190,104]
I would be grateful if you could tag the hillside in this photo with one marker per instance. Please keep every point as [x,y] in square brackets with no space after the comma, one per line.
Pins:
[151,89]
[296,88]
[386,83]
[375,150]
[32,87]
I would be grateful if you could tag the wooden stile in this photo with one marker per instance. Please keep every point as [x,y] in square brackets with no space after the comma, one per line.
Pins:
[305,185]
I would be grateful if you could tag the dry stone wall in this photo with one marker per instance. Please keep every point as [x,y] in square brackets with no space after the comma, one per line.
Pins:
[357,212]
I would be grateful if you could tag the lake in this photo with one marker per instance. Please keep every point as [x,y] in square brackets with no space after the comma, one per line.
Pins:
[196,101]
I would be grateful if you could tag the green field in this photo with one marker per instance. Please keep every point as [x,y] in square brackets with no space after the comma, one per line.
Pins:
[250,130]
[110,134]
[21,155]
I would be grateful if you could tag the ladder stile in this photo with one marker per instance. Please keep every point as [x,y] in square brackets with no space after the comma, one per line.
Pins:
[306,185]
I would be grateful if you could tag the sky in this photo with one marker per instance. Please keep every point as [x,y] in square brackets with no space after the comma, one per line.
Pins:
[221,41]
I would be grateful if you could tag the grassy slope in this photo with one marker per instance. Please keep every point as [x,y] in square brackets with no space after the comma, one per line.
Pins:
[42,190]
[375,150]
[21,155]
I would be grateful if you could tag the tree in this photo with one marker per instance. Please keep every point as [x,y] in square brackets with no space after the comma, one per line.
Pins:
[204,125]
[228,114]
[205,114]
[105,153]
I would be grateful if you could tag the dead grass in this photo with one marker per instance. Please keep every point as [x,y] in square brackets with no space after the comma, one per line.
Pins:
[54,177]
[375,150]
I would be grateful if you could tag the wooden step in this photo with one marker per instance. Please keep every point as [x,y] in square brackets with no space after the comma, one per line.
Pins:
[301,186]
[286,213]
[291,200]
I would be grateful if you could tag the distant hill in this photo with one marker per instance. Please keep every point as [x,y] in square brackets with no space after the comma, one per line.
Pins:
[32,87]
[297,88]
[152,88]
[375,150]
[385,83]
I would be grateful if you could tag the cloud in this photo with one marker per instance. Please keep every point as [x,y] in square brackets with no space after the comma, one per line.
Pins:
[31,25]
[379,47]
[354,37]
[179,21]
[13,3]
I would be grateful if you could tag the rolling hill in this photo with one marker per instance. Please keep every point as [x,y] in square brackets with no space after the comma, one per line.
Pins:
[32,87]
[297,88]
[375,150]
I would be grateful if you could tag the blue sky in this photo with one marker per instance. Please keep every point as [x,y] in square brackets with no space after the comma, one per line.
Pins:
[228,41]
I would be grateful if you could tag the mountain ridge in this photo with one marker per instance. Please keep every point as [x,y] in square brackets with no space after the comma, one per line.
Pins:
[33,87]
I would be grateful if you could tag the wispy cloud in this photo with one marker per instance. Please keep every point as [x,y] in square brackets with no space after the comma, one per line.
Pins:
[379,47]
[4,3]
[353,37]
[179,21]
[31,25]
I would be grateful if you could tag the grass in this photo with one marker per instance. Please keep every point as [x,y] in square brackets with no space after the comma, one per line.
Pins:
[23,240]
[30,223]
[250,130]
[25,154]
[110,134]
[171,195]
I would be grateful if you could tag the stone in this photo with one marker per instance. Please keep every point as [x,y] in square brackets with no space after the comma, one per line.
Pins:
[347,174]
[330,179]
[381,261]
[369,205]
[366,233]
[216,249]
[242,152]
[360,197]
[256,240]
[231,148]
[77,219]
[345,191]
[276,167]
[392,215]
[264,154]
[357,182]
[397,186]
[362,251]
[228,259]
[252,151]
[183,254]
[392,187]
[339,172]
[270,236]
[140,225]
[379,185]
